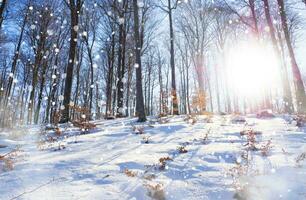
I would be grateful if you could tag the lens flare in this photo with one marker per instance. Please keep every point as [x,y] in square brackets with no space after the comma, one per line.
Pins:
[252,69]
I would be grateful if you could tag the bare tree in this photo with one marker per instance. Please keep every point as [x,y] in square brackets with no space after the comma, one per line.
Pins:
[16,56]
[197,33]
[286,87]
[90,27]
[169,10]
[139,95]
[75,9]
[298,81]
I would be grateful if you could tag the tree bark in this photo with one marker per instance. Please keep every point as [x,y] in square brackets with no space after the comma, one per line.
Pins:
[75,9]
[297,78]
[139,95]
[121,60]
[172,63]
[42,84]
[286,87]
[109,82]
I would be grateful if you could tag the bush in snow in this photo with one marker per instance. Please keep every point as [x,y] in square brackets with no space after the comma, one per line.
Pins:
[81,118]
[182,149]
[156,191]
[129,173]
[163,162]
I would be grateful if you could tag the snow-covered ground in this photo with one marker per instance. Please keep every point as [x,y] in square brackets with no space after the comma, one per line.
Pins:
[113,162]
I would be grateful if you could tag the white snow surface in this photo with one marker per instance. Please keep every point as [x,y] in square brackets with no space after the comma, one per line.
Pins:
[91,166]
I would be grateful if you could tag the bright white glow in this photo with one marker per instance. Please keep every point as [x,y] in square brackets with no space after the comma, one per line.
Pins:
[252,69]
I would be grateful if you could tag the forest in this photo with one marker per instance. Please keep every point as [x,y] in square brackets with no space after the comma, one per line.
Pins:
[114,59]
[222,80]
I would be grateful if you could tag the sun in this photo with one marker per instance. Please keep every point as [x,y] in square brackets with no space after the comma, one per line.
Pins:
[252,69]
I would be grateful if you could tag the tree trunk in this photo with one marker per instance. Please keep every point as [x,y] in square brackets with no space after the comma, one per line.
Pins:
[42,84]
[172,64]
[217,89]
[120,74]
[128,87]
[160,79]
[75,10]
[121,62]
[299,85]
[91,87]
[200,78]
[36,66]
[139,95]
[286,87]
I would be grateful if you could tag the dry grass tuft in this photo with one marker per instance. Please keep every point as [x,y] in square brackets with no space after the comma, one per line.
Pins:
[129,173]
[156,191]
[182,149]
[163,162]
[251,138]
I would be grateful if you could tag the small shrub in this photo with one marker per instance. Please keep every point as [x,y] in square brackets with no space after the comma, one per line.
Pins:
[129,173]
[251,138]
[81,117]
[163,162]
[182,149]
[156,191]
